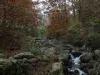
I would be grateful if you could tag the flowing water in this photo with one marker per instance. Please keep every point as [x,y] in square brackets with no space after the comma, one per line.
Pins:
[75,64]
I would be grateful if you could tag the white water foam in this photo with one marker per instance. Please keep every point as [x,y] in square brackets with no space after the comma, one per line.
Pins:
[76,65]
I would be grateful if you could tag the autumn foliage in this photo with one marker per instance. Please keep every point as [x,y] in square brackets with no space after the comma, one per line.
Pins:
[18,11]
[58,23]
[18,19]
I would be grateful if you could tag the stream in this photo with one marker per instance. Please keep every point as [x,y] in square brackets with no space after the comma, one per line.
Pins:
[74,64]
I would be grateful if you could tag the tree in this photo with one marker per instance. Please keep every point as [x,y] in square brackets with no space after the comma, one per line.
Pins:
[89,18]
[18,20]
[58,17]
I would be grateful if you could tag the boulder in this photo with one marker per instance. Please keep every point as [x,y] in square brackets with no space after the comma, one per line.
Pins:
[56,68]
[23,55]
[95,70]
[2,55]
[86,57]
[97,53]
[92,72]
[4,61]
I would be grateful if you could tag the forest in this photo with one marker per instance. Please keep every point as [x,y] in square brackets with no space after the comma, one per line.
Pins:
[49,37]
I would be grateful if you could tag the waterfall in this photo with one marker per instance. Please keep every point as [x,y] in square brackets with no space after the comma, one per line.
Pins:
[75,60]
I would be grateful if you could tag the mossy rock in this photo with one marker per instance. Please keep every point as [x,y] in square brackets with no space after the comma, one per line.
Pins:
[4,63]
[27,55]
[2,55]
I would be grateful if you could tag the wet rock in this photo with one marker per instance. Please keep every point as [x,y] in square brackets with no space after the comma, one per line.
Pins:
[97,53]
[95,71]
[92,72]
[86,57]
[97,68]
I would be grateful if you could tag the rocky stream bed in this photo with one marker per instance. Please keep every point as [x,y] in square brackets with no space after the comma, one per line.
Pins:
[56,59]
